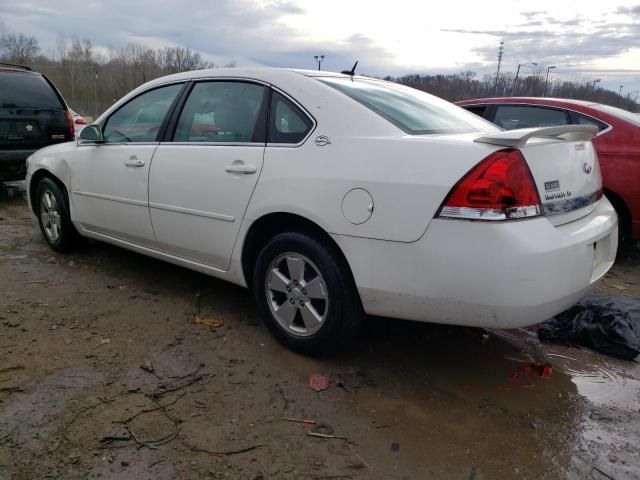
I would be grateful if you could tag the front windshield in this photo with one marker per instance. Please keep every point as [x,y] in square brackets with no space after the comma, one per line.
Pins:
[618,112]
[413,111]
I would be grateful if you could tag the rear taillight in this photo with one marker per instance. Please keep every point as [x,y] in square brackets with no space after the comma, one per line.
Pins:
[80,121]
[498,188]
[72,129]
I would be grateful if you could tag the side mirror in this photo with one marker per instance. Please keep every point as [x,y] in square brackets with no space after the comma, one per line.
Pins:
[91,134]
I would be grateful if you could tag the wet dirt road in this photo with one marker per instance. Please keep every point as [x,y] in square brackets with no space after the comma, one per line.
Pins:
[105,374]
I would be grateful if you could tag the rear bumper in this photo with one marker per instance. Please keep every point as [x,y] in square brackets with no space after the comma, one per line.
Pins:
[13,164]
[484,274]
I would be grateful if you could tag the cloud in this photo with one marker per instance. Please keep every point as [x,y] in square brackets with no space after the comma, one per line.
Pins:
[553,41]
[288,33]
[532,14]
[247,31]
[631,11]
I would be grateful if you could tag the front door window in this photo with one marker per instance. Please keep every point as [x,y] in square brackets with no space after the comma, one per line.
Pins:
[140,119]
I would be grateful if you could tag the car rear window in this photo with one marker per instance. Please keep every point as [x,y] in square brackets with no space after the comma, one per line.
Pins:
[27,90]
[413,111]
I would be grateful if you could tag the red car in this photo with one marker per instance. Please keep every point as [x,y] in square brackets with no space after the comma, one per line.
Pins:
[617,144]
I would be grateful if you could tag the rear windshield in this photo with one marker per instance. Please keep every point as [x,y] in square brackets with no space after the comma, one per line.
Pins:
[414,111]
[27,90]
[618,112]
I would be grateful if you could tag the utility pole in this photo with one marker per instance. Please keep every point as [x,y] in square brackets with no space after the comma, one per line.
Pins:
[500,53]
[515,80]
[319,59]
[546,80]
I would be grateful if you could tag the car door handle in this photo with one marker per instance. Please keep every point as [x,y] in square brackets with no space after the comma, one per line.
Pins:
[134,162]
[240,168]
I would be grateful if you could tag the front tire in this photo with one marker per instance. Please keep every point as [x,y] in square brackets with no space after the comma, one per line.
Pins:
[305,294]
[52,210]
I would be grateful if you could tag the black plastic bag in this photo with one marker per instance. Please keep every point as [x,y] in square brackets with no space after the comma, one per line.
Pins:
[609,325]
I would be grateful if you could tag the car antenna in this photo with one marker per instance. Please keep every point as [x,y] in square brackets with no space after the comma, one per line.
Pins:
[351,72]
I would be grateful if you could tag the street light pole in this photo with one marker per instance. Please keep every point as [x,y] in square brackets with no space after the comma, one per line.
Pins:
[515,80]
[546,80]
[593,91]
[95,91]
[620,95]
[319,59]
[500,54]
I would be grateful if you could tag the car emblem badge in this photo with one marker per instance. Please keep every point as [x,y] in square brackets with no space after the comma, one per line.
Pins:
[28,128]
[322,140]
[553,185]
[586,168]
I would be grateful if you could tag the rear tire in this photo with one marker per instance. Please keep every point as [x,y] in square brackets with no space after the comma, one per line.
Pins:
[52,209]
[305,294]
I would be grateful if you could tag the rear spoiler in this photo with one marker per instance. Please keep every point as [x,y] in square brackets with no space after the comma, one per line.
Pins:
[518,138]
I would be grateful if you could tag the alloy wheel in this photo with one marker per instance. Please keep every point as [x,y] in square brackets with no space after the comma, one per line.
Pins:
[296,294]
[50,216]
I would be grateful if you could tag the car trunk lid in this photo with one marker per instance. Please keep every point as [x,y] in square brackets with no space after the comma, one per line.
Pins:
[564,166]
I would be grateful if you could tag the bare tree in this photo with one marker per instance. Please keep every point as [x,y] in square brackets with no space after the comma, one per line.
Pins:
[61,48]
[465,85]
[18,48]
[179,59]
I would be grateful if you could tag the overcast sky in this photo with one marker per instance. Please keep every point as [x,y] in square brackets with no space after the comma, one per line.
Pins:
[584,39]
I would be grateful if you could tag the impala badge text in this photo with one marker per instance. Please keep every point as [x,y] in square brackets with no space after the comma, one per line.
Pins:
[553,185]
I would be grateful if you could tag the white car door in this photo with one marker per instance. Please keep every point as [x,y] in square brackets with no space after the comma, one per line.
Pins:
[110,180]
[201,182]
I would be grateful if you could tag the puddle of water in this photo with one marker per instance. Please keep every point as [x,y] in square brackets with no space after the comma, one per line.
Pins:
[600,379]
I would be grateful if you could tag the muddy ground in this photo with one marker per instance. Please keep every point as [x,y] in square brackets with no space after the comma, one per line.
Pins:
[104,373]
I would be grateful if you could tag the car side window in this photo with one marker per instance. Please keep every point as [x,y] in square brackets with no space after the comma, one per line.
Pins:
[287,123]
[511,117]
[223,111]
[140,119]
[580,119]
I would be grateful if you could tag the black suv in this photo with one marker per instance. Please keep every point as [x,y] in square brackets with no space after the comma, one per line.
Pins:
[33,115]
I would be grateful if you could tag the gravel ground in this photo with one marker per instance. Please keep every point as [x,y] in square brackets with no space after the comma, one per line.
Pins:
[113,365]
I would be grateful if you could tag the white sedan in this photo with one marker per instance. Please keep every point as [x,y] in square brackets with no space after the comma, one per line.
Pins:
[333,195]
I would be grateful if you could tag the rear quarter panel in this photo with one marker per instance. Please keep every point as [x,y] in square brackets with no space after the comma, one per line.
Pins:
[407,177]
[619,154]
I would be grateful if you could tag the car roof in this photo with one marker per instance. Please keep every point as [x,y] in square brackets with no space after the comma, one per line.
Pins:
[540,100]
[268,74]
[5,69]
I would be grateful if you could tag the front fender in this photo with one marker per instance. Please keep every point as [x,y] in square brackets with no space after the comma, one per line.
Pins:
[53,161]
